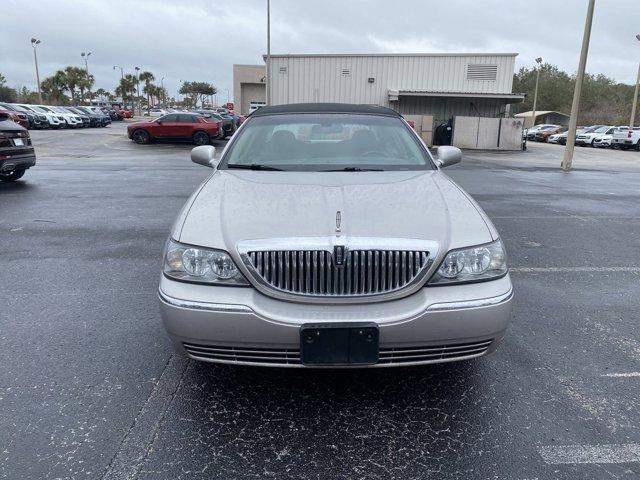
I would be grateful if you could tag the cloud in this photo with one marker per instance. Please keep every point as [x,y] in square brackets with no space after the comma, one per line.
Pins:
[202,39]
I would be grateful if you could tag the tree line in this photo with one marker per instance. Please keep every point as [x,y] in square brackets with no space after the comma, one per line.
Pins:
[603,100]
[73,85]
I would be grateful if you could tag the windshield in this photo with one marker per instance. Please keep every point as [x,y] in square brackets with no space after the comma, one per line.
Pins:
[601,130]
[326,142]
[44,109]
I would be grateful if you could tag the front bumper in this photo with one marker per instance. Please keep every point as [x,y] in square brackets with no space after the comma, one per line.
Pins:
[239,325]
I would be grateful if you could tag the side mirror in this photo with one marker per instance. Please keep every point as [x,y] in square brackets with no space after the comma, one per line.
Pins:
[204,155]
[448,156]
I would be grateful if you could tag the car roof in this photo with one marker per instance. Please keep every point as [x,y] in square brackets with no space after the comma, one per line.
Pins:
[324,108]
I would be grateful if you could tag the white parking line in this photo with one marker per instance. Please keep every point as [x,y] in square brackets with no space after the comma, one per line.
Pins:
[622,453]
[574,269]
[622,375]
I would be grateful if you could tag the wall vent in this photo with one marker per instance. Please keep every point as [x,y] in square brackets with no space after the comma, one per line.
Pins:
[478,71]
[283,70]
[345,72]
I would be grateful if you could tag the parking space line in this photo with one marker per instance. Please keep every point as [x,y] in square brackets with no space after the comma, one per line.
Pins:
[621,453]
[622,375]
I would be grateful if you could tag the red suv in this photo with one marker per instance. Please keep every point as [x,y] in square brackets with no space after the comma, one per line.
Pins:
[176,126]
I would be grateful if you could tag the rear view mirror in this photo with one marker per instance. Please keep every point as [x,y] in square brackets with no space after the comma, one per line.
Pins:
[204,155]
[448,155]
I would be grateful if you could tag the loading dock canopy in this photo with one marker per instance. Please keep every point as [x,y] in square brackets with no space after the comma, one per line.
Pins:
[394,95]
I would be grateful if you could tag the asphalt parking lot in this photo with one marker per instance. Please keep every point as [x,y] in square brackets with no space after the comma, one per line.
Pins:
[90,387]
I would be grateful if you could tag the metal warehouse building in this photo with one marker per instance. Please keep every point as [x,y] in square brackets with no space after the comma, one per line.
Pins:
[441,85]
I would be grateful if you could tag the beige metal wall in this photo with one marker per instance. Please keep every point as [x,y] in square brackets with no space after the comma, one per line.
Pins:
[478,133]
[320,78]
[248,80]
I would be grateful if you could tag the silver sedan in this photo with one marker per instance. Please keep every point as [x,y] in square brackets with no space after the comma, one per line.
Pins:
[328,236]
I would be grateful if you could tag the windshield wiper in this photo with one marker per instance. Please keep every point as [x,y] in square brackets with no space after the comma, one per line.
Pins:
[354,169]
[254,166]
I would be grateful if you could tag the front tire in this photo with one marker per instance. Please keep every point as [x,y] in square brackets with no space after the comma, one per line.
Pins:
[201,138]
[141,137]
[12,176]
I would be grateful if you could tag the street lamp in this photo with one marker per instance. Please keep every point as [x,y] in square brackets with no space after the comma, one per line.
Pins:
[34,43]
[124,102]
[535,95]
[635,97]
[85,57]
[137,69]
[567,159]
[268,69]
[164,97]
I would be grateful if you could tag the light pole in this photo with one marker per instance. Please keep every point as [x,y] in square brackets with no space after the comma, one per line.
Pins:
[535,95]
[164,97]
[85,56]
[137,69]
[635,97]
[567,160]
[124,102]
[34,43]
[268,69]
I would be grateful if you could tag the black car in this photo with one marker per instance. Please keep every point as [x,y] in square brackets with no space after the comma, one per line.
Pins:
[36,120]
[228,123]
[113,115]
[97,119]
[16,151]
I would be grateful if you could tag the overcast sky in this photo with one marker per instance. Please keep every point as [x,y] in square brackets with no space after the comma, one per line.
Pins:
[202,39]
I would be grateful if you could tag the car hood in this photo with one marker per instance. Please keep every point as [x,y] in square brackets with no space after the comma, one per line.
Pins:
[233,206]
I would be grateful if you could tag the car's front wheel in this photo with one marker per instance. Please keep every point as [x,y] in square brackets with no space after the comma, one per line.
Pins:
[201,138]
[12,176]
[141,136]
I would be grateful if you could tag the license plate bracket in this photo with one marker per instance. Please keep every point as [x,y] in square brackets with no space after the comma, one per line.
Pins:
[18,142]
[327,344]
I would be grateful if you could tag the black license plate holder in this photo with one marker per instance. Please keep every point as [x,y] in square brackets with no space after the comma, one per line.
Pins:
[339,344]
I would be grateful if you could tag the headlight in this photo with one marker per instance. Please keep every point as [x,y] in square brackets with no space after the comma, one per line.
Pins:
[200,265]
[473,264]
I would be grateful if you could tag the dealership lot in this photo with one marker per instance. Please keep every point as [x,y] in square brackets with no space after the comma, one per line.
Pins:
[91,388]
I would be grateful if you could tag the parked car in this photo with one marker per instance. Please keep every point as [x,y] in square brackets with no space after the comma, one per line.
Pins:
[95,120]
[111,112]
[71,120]
[531,132]
[626,138]
[589,137]
[122,112]
[16,151]
[176,126]
[559,138]
[20,118]
[157,112]
[104,118]
[36,120]
[228,123]
[86,120]
[54,120]
[543,134]
[267,266]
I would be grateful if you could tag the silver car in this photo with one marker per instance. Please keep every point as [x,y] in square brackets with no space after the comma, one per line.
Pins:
[327,236]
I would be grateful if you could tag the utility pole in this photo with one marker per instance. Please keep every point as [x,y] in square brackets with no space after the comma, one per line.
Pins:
[137,69]
[535,95]
[635,96]
[164,97]
[85,56]
[268,76]
[575,107]
[34,43]
[124,102]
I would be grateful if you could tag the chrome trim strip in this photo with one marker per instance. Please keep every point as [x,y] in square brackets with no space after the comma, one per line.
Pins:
[206,306]
[483,302]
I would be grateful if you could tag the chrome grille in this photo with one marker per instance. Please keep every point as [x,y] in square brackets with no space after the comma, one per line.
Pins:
[432,353]
[314,272]
[271,356]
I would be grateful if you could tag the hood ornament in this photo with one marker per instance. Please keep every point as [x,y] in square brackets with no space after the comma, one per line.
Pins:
[338,221]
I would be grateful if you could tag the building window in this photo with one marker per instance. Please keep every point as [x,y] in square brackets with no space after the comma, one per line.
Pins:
[478,71]
[345,72]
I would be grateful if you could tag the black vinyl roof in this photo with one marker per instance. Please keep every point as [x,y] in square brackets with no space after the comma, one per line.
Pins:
[325,108]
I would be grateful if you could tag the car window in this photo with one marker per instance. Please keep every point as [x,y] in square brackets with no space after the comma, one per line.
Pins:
[321,142]
[187,118]
[601,130]
[172,117]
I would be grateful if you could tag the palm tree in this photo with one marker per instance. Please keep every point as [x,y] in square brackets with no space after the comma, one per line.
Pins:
[73,77]
[147,78]
[126,87]
[101,93]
